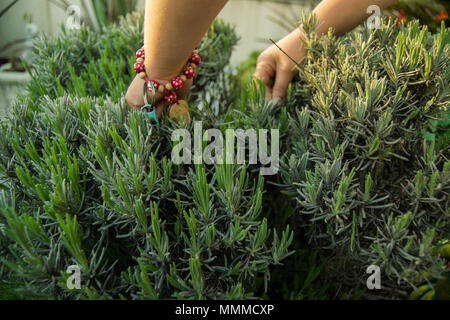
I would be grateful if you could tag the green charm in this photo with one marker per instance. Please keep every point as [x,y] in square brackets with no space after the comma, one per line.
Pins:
[150,109]
[151,114]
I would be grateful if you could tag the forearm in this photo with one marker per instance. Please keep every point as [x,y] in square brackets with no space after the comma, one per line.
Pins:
[173,28]
[341,15]
[344,15]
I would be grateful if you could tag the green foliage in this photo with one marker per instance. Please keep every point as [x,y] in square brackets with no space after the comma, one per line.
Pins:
[435,288]
[247,68]
[99,64]
[300,279]
[106,200]
[87,181]
[366,183]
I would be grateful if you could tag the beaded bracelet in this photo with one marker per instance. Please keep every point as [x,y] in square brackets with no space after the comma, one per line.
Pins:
[177,108]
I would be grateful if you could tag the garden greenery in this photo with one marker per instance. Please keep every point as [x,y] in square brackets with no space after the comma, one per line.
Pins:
[367,184]
[86,181]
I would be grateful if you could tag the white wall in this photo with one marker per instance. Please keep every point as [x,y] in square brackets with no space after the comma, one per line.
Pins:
[252,20]
[254,23]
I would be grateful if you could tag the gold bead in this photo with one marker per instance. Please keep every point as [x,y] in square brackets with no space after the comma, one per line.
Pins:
[193,65]
[183,77]
[195,51]
[180,111]
[142,75]
[140,60]
[161,88]
[169,87]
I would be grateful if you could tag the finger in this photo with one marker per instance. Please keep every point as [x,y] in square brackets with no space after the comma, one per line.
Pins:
[158,96]
[134,96]
[268,93]
[282,80]
[160,109]
[265,72]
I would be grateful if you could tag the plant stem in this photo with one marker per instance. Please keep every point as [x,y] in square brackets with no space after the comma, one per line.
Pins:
[8,7]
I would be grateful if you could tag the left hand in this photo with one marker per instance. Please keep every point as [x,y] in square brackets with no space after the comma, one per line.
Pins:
[135,95]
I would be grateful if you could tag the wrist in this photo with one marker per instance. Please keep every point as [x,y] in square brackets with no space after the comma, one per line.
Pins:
[163,76]
[165,72]
[166,84]
[292,44]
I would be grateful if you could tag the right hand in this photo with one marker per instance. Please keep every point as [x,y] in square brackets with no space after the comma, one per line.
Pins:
[276,69]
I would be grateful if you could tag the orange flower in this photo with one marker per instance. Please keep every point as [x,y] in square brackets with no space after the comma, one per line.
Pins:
[442,16]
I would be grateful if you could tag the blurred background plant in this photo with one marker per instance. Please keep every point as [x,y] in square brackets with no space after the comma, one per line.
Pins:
[22,47]
[289,20]
[100,13]
[428,12]
[8,7]
[12,52]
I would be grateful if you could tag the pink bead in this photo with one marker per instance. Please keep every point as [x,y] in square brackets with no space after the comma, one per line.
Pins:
[140,53]
[177,83]
[139,67]
[195,58]
[154,83]
[171,97]
[189,72]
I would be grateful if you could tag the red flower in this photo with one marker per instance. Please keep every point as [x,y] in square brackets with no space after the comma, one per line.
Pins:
[442,16]
[400,17]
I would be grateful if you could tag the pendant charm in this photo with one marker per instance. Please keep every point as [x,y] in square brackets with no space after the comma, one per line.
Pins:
[150,111]
[180,110]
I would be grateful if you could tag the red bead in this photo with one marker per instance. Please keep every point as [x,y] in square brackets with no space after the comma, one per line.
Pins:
[189,72]
[139,67]
[155,85]
[177,83]
[140,54]
[195,58]
[171,97]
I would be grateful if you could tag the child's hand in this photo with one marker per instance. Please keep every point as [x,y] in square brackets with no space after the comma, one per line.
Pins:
[276,69]
[135,95]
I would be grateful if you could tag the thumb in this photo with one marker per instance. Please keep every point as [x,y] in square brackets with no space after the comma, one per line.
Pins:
[282,80]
